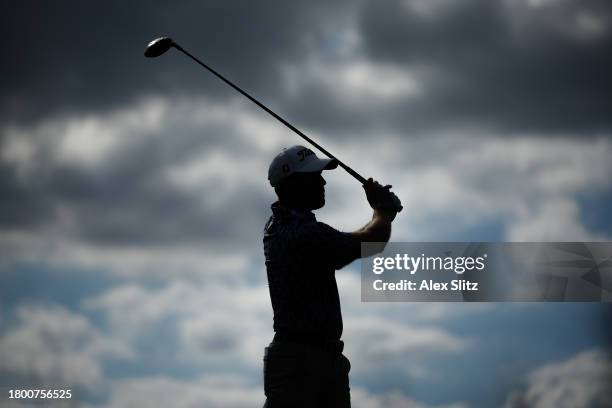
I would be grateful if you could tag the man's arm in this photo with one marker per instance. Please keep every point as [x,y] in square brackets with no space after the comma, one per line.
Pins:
[378,229]
[386,206]
[341,248]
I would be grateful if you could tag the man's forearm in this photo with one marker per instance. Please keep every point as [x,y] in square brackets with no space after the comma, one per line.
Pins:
[386,206]
[378,229]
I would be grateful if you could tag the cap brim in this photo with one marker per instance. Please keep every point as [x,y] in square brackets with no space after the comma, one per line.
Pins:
[319,165]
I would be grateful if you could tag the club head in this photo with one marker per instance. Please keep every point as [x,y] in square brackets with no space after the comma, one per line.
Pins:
[158,46]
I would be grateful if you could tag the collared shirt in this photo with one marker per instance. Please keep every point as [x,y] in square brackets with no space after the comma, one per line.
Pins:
[302,256]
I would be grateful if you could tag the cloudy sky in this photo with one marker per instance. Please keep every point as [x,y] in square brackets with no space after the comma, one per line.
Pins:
[134,191]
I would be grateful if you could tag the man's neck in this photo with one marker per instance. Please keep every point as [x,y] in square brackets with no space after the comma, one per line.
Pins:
[294,207]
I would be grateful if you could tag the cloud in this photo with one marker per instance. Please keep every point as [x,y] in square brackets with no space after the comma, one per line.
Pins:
[361,398]
[214,391]
[352,81]
[214,323]
[485,116]
[108,207]
[580,381]
[220,325]
[377,344]
[87,64]
[528,185]
[229,391]
[502,65]
[51,345]
[464,107]
[582,22]
[407,337]
[551,221]
[165,195]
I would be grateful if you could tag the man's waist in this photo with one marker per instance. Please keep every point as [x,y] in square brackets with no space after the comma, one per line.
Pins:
[309,339]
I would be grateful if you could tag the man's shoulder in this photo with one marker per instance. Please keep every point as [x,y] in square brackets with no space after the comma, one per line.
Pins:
[320,234]
[316,227]
[294,225]
[297,228]
[309,239]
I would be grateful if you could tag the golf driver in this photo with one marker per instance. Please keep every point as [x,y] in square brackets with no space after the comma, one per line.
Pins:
[160,45]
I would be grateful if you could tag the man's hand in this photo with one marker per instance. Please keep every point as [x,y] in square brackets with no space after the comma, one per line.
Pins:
[386,205]
[381,198]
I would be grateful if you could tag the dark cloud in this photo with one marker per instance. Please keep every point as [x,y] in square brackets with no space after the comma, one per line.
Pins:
[502,65]
[75,55]
[127,207]
[499,64]
[130,200]
[483,64]
[22,205]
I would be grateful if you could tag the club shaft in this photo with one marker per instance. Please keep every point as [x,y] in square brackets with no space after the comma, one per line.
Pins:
[349,170]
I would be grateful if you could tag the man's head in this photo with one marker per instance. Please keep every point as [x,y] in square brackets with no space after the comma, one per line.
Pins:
[295,174]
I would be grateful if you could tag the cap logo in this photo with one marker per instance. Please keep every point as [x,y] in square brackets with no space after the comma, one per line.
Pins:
[286,168]
[304,153]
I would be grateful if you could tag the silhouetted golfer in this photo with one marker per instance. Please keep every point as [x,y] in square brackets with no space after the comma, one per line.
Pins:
[304,365]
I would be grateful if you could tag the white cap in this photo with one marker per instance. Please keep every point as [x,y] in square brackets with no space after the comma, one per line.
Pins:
[297,159]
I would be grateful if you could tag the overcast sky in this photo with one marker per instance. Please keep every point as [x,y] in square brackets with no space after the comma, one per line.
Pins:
[134,191]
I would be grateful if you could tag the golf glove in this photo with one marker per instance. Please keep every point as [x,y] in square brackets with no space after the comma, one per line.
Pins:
[381,197]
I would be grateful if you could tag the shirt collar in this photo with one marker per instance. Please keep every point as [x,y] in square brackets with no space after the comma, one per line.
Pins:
[283,212]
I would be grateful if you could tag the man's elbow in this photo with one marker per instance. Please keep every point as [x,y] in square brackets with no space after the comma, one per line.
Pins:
[376,238]
[377,232]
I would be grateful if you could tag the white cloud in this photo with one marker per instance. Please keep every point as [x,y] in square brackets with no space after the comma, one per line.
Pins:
[551,221]
[169,262]
[361,398]
[85,140]
[224,328]
[219,176]
[229,391]
[449,182]
[165,263]
[354,79]
[224,163]
[67,403]
[366,79]
[529,185]
[375,344]
[338,65]
[92,139]
[428,9]
[55,346]
[581,381]
[221,391]
[233,323]
[584,22]
[214,322]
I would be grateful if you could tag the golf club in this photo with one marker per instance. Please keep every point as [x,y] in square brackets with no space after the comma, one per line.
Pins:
[160,45]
